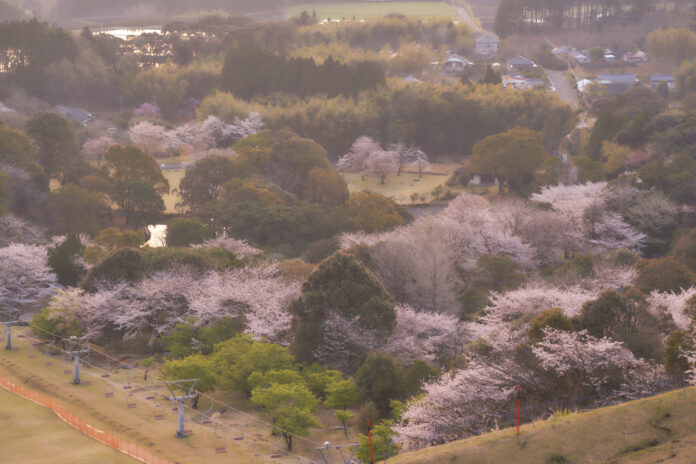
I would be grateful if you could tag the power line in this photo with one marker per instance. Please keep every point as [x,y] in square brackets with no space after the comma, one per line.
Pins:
[210,398]
[255,440]
[228,406]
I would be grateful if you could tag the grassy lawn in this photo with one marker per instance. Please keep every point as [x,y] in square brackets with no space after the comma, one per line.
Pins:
[174,177]
[32,434]
[137,425]
[368,10]
[400,188]
[651,430]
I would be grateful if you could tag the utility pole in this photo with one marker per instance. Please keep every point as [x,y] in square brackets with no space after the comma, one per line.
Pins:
[9,317]
[75,348]
[188,387]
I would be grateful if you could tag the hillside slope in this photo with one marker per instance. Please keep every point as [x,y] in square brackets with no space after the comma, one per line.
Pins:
[658,429]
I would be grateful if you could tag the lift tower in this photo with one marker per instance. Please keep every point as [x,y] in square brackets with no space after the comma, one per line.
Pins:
[75,347]
[181,390]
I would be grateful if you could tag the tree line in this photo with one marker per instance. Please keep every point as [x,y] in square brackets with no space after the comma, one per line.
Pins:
[248,73]
[525,16]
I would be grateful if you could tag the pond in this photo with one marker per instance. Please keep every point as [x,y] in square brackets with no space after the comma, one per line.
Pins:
[158,235]
[126,33]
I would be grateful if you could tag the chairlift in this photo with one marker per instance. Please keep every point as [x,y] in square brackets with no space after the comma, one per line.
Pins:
[220,441]
[131,401]
[238,434]
[206,416]
[66,364]
[86,383]
[150,393]
[32,355]
[108,390]
[159,412]
[275,450]
[129,384]
[189,431]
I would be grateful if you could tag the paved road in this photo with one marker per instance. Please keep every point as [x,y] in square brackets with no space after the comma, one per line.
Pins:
[464,16]
[563,87]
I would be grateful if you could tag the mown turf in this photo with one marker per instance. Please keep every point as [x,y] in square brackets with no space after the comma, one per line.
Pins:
[659,429]
[400,188]
[368,10]
[34,434]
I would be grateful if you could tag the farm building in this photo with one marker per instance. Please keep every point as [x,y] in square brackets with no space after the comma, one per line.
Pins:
[657,79]
[617,83]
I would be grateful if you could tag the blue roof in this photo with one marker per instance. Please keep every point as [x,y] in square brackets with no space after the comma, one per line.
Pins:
[618,78]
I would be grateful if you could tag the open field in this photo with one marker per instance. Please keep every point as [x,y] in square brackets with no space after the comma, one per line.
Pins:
[32,434]
[138,426]
[174,177]
[368,10]
[399,188]
[659,429]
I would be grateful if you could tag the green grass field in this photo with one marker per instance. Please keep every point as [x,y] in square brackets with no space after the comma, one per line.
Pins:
[659,429]
[32,434]
[174,177]
[400,188]
[368,10]
[138,426]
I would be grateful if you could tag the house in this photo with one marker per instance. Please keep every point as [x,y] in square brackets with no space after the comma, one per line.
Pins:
[521,64]
[411,80]
[521,82]
[487,44]
[657,79]
[580,58]
[456,65]
[563,51]
[617,83]
[76,114]
[609,55]
[635,57]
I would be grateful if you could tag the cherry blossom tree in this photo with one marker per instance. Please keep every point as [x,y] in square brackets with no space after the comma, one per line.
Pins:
[381,163]
[593,361]
[586,211]
[240,248]
[94,149]
[417,265]
[356,159]
[25,275]
[674,304]
[409,155]
[422,335]
[241,128]
[466,402]
[156,304]
[154,139]
[17,230]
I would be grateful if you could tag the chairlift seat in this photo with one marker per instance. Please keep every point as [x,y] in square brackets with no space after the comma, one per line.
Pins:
[86,383]
[67,371]
[49,363]
[32,356]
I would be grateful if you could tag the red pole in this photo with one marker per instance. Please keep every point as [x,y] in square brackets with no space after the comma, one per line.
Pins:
[518,410]
[369,439]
